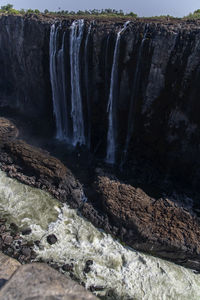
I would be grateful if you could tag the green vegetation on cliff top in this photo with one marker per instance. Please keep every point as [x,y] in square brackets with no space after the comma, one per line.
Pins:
[9,9]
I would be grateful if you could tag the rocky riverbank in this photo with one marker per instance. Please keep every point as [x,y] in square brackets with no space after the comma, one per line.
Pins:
[155,225]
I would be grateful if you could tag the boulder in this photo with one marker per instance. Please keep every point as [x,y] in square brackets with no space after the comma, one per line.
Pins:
[7,266]
[39,281]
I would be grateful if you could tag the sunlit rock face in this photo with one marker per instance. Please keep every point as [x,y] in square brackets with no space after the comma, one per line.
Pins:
[62,76]
[115,271]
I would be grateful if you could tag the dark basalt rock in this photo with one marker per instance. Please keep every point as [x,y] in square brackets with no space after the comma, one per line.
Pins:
[68,268]
[51,239]
[36,167]
[26,231]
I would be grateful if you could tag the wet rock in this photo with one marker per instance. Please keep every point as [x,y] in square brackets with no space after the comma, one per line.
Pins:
[68,267]
[87,268]
[37,243]
[89,262]
[14,228]
[94,288]
[26,251]
[55,266]
[26,231]
[51,239]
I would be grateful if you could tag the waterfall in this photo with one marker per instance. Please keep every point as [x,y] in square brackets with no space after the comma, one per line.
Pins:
[58,83]
[86,60]
[133,98]
[57,77]
[76,36]
[111,137]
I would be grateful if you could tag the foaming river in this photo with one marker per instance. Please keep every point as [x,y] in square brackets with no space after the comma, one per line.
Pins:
[119,272]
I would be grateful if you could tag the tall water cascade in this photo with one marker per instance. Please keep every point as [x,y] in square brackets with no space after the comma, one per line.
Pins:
[76,135]
[86,79]
[111,137]
[76,37]
[57,76]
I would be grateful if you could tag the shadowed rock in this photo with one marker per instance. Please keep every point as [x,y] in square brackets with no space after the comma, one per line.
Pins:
[36,167]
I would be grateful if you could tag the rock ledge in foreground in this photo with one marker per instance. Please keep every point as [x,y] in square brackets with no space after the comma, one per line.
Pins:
[39,281]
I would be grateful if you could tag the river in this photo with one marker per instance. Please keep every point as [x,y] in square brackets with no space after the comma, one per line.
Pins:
[118,271]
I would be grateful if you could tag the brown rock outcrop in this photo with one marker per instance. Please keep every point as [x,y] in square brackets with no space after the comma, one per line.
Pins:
[37,168]
[158,226]
[8,130]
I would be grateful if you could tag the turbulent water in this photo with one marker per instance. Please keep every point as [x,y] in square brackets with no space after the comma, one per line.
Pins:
[120,272]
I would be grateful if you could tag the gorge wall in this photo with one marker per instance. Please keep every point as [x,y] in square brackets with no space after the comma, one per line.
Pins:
[108,85]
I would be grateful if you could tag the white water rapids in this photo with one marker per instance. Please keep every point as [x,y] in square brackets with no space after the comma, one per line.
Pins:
[122,272]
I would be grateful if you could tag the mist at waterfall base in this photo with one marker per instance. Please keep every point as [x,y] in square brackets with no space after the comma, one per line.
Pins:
[117,272]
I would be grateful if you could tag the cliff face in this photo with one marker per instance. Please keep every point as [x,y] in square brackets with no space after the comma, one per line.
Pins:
[155,94]
[24,76]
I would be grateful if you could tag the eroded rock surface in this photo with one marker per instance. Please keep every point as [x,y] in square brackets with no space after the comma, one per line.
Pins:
[8,131]
[158,226]
[36,167]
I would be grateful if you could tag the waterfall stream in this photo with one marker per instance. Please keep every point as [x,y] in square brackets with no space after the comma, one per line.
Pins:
[58,83]
[111,108]
[76,37]
[57,76]
[86,79]
[117,272]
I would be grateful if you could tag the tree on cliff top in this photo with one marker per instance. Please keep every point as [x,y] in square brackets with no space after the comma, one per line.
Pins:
[194,15]
[7,8]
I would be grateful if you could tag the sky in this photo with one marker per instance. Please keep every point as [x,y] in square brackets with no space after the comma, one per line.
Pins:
[177,8]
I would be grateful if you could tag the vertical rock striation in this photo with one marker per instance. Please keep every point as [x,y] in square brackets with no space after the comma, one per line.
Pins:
[72,71]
